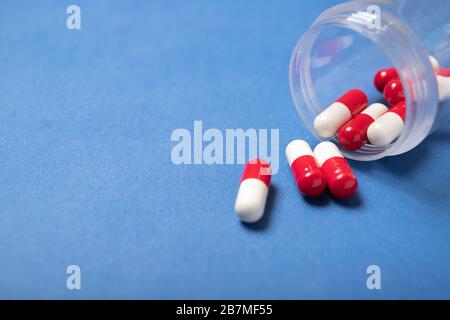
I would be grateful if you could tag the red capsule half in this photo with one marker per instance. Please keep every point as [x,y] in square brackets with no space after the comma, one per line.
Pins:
[353,135]
[399,109]
[383,76]
[257,169]
[341,181]
[393,92]
[445,72]
[306,172]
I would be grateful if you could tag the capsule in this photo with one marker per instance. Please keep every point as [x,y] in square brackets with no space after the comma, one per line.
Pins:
[338,113]
[342,183]
[393,92]
[443,87]
[253,190]
[353,134]
[388,127]
[383,76]
[307,174]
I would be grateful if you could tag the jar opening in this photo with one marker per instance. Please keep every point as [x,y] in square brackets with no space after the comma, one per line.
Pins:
[339,53]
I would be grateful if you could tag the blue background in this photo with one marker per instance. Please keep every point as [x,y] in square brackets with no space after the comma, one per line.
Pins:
[86,176]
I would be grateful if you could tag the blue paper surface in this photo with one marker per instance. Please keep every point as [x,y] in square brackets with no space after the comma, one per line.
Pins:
[86,176]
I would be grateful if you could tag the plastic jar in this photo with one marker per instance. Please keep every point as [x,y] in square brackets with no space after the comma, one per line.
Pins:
[347,44]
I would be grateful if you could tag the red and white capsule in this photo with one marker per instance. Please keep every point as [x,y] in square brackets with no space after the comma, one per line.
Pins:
[388,127]
[337,114]
[307,174]
[383,76]
[353,134]
[253,190]
[342,183]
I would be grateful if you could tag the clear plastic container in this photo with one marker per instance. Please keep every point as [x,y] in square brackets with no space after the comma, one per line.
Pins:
[349,43]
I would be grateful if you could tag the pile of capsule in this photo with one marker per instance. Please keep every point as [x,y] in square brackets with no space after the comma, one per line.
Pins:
[313,171]
[355,123]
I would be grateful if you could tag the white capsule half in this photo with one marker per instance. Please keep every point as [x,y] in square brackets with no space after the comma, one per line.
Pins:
[327,123]
[296,149]
[385,129]
[375,110]
[434,62]
[443,88]
[326,150]
[251,200]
